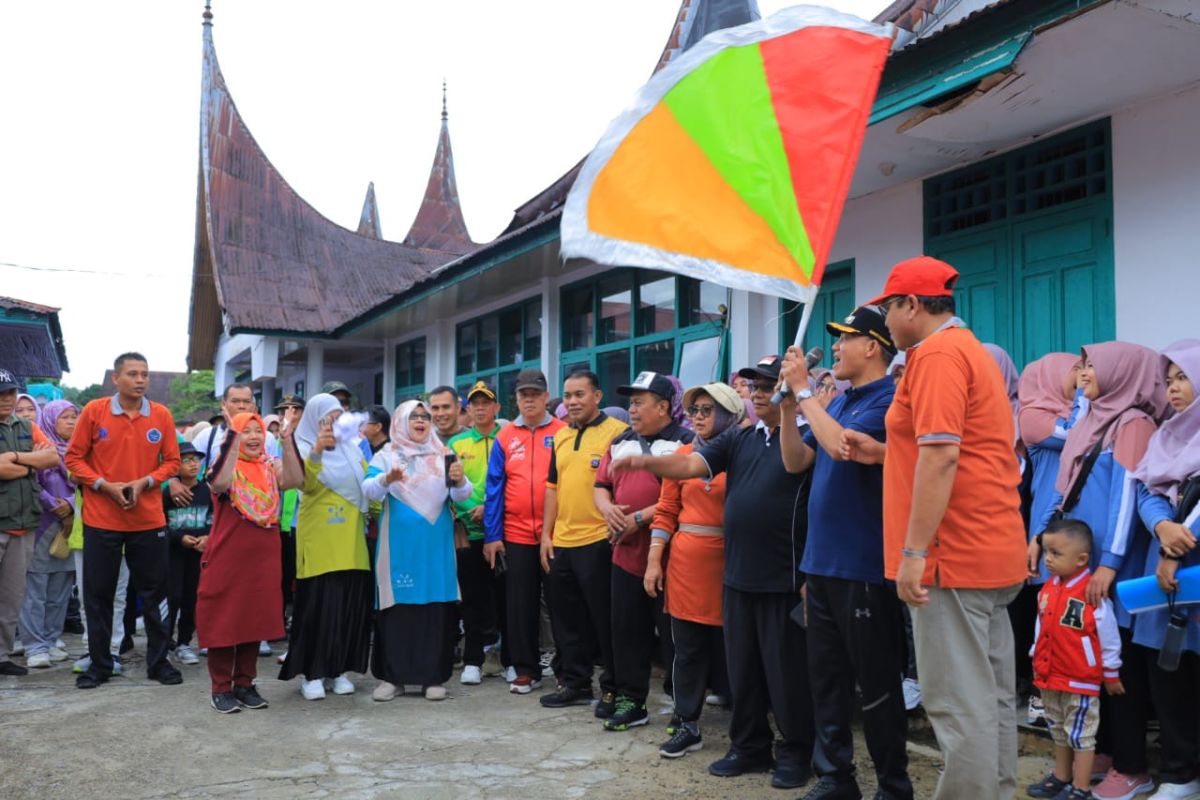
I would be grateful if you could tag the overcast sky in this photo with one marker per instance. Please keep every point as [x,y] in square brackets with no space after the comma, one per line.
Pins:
[98,144]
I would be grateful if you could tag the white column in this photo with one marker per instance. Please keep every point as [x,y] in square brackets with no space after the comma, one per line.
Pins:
[389,374]
[551,338]
[268,396]
[316,365]
[741,335]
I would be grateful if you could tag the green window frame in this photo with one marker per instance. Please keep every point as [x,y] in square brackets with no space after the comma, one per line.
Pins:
[494,347]
[410,369]
[625,321]
[834,301]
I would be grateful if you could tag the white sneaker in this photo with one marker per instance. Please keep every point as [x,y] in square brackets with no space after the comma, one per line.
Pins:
[715,699]
[912,694]
[18,649]
[509,674]
[1178,791]
[82,665]
[342,685]
[60,644]
[313,690]
[1036,713]
[282,657]
[383,692]
[264,648]
[435,692]
[38,661]
[58,654]
[186,654]
[471,676]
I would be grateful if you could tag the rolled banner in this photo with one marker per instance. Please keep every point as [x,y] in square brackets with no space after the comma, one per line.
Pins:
[1143,594]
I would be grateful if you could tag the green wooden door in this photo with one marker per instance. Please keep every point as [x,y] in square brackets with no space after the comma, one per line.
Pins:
[982,292]
[835,301]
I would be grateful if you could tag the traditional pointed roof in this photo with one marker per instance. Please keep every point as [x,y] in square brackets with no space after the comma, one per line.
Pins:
[266,261]
[368,221]
[695,20]
[439,223]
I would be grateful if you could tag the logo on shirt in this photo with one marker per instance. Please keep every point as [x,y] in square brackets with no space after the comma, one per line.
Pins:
[1073,616]
[548,441]
[596,461]
[154,436]
[102,433]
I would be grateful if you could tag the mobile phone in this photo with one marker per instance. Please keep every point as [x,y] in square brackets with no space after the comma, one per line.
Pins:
[127,493]
[501,564]
[450,459]
[327,425]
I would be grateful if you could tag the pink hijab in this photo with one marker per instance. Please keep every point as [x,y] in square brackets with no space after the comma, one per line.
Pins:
[1041,398]
[1008,370]
[424,486]
[1132,387]
[1173,454]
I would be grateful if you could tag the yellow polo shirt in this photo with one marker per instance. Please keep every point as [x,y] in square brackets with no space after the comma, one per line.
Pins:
[577,455]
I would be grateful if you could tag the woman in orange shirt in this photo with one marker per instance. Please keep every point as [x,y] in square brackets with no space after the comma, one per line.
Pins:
[689,519]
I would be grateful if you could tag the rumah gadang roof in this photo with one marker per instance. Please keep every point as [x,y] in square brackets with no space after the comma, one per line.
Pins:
[31,340]
[266,261]
[368,221]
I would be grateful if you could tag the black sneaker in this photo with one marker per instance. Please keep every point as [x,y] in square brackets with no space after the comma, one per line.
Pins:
[566,696]
[607,705]
[686,740]
[126,645]
[674,725]
[166,675]
[248,697]
[9,668]
[89,680]
[735,763]
[628,714]
[1049,786]
[225,703]
[829,789]
[790,776]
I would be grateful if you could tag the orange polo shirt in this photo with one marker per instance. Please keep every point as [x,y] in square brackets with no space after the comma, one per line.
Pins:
[953,393]
[113,446]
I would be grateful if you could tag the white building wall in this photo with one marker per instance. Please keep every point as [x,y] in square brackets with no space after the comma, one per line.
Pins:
[878,231]
[1156,211]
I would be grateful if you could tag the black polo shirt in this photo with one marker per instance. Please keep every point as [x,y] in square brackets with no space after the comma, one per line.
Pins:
[766,509]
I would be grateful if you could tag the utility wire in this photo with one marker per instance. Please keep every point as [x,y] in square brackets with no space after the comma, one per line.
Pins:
[84,271]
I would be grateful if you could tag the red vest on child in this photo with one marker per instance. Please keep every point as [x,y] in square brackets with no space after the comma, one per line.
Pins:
[1067,654]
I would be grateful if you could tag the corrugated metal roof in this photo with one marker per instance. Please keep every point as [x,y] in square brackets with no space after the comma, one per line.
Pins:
[30,350]
[25,305]
[368,220]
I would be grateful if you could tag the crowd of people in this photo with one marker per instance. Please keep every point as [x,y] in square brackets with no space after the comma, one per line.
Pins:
[921,512]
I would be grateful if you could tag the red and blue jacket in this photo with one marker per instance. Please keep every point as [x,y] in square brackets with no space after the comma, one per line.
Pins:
[515,495]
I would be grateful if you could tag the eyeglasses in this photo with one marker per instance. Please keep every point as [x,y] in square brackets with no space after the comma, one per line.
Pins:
[763,387]
[420,417]
[703,412]
[886,305]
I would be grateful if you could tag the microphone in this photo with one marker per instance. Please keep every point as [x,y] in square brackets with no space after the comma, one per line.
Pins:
[811,358]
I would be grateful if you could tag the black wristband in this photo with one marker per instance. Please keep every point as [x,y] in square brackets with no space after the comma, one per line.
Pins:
[1162,553]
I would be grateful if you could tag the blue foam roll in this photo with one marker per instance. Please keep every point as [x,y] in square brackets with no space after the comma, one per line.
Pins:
[1143,594]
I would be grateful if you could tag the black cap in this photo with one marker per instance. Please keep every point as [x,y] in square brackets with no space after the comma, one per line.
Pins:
[649,382]
[289,401]
[333,387]
[8,381]
[531,378]
[767,367]
[864,321]
[188,449]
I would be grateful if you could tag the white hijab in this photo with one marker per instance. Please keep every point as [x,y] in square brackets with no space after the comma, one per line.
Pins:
[342,467]
[424,486]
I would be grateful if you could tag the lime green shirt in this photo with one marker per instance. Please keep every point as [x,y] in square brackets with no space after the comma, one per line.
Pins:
[330,531]
[473,450]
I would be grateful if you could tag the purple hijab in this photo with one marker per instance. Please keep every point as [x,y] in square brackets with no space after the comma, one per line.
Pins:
[1008,370]
[1173,454]
[56,481]
[677,413]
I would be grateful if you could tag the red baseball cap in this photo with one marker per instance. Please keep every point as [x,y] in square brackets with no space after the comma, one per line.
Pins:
[923,276]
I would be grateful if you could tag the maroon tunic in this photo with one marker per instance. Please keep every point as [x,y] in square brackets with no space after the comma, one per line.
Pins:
[241,572]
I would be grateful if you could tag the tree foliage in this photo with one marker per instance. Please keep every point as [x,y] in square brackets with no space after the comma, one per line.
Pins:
[192,396]
[81,397]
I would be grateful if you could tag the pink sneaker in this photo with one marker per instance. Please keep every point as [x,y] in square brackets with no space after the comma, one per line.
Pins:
[1100,767]
[1116,786]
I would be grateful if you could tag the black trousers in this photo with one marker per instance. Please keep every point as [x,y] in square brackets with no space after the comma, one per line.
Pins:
[523,607]
[482,599]
[1177,700]
[287,546]
[1123,718]
[1022,614]
[856,636]
[181,593]
[699,666]
[146,552]
[633,635]
[579,592]
[768,671]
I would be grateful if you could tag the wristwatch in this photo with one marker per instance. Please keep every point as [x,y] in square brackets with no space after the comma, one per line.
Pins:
[637,517]
[804,394]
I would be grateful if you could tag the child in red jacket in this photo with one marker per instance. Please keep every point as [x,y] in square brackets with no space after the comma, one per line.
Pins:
[1076,649]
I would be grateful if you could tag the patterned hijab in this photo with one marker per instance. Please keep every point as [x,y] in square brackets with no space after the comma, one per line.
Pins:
[1173,455]
[254,491]
[47,420]
[1042,396]
[1132,387]
[423,488]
